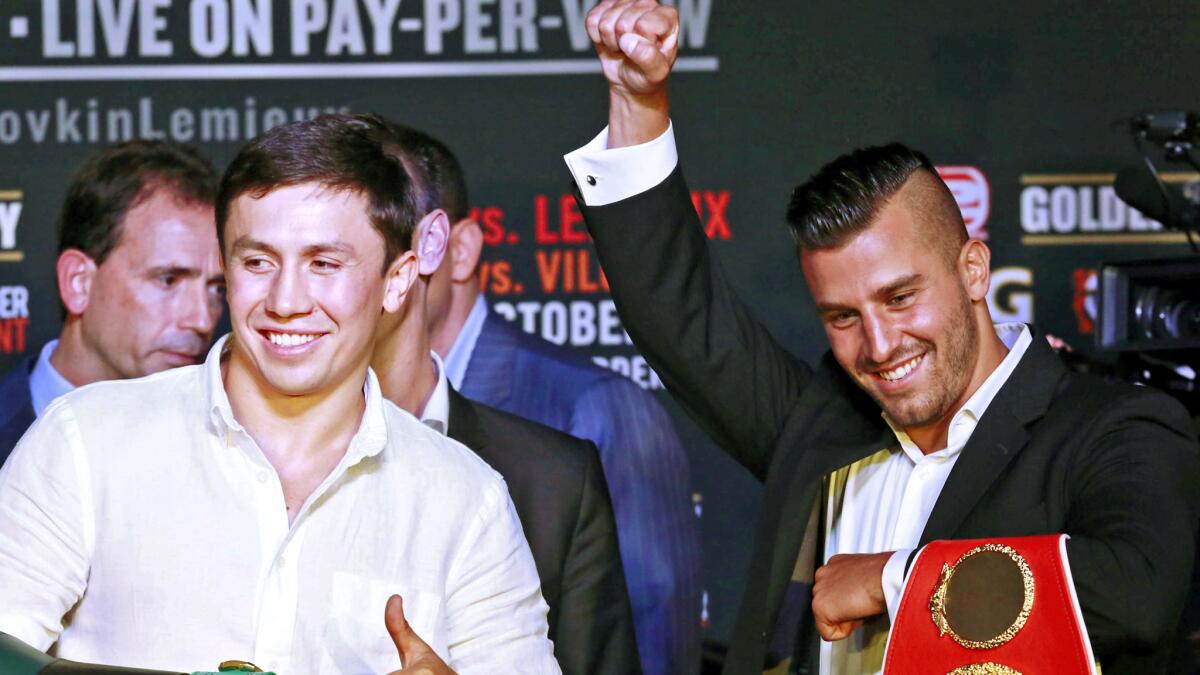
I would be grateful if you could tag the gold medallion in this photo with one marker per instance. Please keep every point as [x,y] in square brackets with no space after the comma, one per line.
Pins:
[988,668]
[983,600]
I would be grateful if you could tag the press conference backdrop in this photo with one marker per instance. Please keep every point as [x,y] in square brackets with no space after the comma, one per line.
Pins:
[1015,103]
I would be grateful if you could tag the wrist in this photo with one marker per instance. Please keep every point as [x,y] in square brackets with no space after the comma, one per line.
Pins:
[634,119]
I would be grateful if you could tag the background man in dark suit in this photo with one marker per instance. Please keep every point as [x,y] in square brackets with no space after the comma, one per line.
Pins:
[491,361]
[138,275]
[983,431]
[555,480]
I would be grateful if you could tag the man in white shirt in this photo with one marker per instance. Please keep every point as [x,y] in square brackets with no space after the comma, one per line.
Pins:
[923,422]
[266,504]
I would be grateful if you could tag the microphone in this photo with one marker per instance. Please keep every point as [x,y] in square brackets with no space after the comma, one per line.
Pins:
[1137,187]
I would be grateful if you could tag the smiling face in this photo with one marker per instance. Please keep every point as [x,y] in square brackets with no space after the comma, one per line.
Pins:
[900,314]
[306,292]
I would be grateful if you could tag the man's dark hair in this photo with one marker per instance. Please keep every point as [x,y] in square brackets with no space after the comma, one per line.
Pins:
[844,197]
[430,163]
[117,179]
[340,152]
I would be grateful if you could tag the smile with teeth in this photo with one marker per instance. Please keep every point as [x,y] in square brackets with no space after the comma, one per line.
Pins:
[291,339]
[899,372]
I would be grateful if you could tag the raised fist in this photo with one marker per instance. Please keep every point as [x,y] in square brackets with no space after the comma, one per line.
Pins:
[637,41]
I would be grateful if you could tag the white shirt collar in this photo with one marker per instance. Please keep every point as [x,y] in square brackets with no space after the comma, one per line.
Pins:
[436,414]
[1016,337]
[368,441]
[464,345]
[46,383]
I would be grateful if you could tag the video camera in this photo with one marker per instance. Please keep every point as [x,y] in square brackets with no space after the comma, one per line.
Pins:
[1149,310]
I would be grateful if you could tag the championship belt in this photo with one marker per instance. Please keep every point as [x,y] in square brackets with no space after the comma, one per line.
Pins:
[18,658]
[990,607]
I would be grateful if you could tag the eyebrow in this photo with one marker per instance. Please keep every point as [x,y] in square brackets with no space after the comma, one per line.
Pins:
[902,282]
[173,270]
[248,244]
[883,292]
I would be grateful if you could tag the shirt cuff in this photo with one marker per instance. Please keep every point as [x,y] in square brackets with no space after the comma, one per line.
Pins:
[893,581]
[607,175]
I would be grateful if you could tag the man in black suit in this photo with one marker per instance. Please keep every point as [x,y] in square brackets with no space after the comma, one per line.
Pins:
[555,480]
[984,432]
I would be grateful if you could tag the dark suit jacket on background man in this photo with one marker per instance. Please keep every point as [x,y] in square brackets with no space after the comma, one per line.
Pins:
[531,378]
[1114,466]
[16,411]
[557,486]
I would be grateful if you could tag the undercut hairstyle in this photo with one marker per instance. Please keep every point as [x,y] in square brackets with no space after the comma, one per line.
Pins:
[339,152]
[845,196]
[112,182]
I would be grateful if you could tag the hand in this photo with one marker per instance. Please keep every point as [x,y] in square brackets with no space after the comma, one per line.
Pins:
[637,41]
[416,657]
[846,590]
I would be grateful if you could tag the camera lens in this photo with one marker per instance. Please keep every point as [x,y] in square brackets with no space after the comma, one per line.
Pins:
[1166,313]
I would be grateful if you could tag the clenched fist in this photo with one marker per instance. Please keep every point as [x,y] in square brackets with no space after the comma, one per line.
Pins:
[637,41]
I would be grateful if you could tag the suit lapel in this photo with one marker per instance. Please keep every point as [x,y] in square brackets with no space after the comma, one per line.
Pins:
[831,425]
[835,416]
[465,426]
[490,371]
[997,439]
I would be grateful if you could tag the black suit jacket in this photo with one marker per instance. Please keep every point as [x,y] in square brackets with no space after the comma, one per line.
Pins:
[1114,466]
[16,406]
[558,488]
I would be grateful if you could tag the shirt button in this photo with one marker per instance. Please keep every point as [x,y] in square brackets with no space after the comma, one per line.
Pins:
[263,477]
[282,562]
[591,180]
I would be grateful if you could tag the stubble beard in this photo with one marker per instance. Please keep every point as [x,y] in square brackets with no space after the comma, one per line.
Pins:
[948,377]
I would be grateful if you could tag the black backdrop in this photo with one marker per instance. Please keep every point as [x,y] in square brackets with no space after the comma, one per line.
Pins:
[1018,103]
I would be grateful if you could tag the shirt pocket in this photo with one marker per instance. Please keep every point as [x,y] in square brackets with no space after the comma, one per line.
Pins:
[355,639]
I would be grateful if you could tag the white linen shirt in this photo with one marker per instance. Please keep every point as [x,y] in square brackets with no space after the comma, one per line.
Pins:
[143,513]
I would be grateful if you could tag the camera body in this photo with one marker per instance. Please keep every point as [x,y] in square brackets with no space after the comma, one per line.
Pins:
[1149,305]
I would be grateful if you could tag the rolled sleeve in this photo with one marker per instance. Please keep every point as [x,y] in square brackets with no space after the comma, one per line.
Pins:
[608,175]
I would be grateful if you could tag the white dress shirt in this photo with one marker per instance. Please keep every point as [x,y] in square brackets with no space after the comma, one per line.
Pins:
[459,356]
[143,513]
[880,503]
[45,383]
[436,413]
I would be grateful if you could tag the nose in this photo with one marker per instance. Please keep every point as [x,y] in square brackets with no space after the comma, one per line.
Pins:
[288,295]
[199,311]
[880,338]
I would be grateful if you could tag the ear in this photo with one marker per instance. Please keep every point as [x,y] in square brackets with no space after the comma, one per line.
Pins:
[466,246]
[75,271]
[399,280]
[431,239]
[974,262]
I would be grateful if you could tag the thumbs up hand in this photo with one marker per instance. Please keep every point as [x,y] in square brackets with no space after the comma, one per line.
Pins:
[416,656]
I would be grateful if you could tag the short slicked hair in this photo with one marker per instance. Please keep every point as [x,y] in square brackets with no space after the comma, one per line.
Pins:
[844,197]
[338,152]
[117,179]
